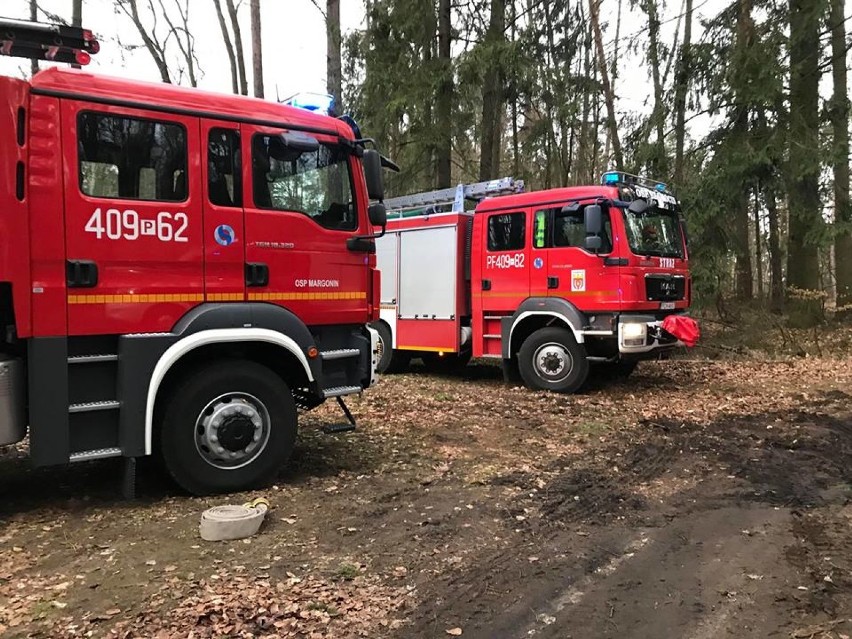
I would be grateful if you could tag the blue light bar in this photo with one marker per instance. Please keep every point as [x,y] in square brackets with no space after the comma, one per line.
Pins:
[611,178]
[316,102]
[660,187]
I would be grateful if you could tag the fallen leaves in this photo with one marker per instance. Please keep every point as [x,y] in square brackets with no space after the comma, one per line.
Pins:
[298,607]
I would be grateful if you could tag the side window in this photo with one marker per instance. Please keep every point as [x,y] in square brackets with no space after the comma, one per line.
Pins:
[567,229]
[131,158]
[224,168]
[506,232]
[315,183]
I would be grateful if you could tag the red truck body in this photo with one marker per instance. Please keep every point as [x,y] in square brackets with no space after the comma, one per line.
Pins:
[459,284]
[153,237]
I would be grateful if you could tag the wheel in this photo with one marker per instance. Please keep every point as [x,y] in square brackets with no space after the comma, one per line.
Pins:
[399,361]
[228,427]
[551,359]
[446,363]
[385,345]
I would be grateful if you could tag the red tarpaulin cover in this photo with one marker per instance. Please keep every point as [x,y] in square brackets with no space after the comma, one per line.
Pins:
[682,327]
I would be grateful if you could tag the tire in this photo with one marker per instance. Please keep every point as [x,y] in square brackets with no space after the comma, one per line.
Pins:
[447,363]
[399,361]
[551,359]
[227,404]
[385,346]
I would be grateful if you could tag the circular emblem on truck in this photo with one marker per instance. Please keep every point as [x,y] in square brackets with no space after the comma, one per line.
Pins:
[224,235]
[538,262]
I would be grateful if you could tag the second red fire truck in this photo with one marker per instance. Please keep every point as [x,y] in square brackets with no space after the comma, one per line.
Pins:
[548,282]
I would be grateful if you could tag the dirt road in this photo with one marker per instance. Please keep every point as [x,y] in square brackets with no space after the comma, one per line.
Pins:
[697,500]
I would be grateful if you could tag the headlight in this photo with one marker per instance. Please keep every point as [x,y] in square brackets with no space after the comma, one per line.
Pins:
[634,331]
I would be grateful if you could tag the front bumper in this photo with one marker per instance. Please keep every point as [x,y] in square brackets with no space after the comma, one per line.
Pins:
[644,335]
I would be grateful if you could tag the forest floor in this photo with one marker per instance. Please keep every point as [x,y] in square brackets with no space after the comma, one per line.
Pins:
[698,499]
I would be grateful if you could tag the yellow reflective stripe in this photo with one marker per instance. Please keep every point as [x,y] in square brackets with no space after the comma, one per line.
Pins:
[150,298]
[145,298]
[299,296]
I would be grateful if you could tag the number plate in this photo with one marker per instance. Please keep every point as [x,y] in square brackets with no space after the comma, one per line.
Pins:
[667,306]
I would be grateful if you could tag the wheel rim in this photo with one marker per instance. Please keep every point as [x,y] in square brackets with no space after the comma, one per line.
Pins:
[232,430]
[552,362]
[380,347]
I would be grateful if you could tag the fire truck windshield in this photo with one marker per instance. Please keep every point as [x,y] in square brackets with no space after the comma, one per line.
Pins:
[654,232]
[316,183]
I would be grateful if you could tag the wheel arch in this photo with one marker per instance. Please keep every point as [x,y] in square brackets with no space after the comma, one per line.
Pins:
[535,313]
[273,349]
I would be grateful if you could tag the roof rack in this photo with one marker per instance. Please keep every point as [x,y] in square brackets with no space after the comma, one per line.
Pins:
[455,196]
[43,41]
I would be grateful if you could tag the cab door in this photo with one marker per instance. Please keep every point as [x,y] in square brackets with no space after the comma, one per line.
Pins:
[133,223]
[563,267]
[224,228]
[301,213]
[503,282]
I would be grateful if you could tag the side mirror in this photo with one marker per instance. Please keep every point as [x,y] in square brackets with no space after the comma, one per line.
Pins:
[638,207]
[593,243]
[373,174]
[299,142]
[593,219]
[685,232]
[378,214]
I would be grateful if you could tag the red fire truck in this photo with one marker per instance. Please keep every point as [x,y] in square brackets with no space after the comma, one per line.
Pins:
[179,270]
[548,282]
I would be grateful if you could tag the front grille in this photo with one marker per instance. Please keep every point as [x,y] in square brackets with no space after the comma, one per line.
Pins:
[665,287]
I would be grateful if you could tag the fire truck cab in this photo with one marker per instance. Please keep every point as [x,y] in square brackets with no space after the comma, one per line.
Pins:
[548,282]
[179,271]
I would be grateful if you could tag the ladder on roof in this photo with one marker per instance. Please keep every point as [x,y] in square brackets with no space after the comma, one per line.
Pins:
[455,196]
[43,41]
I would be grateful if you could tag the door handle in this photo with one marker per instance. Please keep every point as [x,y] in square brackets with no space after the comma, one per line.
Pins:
[257,274]
[486,285]
[81,274]
[552,282]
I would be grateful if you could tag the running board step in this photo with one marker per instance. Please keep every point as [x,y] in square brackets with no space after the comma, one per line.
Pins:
[91,359]
[340,391]
[88,407]
[341,353]
[98,453]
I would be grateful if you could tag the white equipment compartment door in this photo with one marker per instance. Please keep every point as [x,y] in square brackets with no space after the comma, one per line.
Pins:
[387,261]
[427,273]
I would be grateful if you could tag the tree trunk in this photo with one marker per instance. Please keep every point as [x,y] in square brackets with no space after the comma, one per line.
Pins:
[776,274]
[238,46]
[151,44]
[681,89]
[758,253]
[804,154]
[743,273]
[659,164]
[334,74]
[34,18]
[492,94]
[444,102]
[584,173]
[608,93]
[229,47]
[840,132]
[256,49]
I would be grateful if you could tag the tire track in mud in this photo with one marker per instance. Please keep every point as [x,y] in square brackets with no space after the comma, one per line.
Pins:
[590,511]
